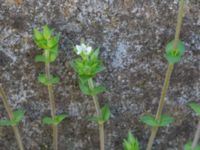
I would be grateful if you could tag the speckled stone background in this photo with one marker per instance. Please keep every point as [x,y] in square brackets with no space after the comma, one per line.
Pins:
[132,35]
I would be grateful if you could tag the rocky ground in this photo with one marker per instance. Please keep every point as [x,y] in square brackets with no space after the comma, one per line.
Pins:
[132,35]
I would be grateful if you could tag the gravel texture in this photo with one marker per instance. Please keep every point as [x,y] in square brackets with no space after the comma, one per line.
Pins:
[132,35]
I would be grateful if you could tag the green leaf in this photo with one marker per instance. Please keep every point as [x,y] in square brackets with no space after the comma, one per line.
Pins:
[105,113]
[17,117]
[46,32]
[54,80]
[84,79]
[54,121]
[41,58]
[131,143]
[53,42]
[97,89]
[41,44]
[94,118]
[173,55]
[196,107]
[53,56]
[59,118]
[165,120]
[99,68]
[42,78]
[48,120]
[5,123]
[85,88]
[94,55]
[37,35]
[149,120]
[188,146]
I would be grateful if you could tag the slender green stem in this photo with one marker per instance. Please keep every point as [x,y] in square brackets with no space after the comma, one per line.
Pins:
[10,114]
[196,137]
[98,111]
[179,21]
[168,75]
[101,136]
[95,99]
[52,104]
[161,105]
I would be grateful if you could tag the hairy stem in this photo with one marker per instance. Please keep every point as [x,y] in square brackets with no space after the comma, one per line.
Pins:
[10,114]
[168,75]
[98,111]
[52,104]
[196,137]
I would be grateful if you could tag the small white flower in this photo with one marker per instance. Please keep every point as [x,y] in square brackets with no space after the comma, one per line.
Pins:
[83,49]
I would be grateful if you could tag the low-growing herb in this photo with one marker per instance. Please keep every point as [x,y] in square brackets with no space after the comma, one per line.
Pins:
[47,41]
[14,118]
[174,51]
[87,66]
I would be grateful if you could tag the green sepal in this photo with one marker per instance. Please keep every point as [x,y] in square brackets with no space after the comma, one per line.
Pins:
[195,107]
[54,121]
[188,146]
[131,143]
[151,121]
[88,66]
[42,78]
[174,55]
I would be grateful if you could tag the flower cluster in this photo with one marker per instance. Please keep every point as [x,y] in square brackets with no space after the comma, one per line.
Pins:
[83,49]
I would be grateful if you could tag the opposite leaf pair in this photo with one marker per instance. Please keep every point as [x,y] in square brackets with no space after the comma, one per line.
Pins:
[104,116]
[151,121]
[17,117]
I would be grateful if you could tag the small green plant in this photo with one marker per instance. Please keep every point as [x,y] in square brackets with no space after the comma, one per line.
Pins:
[87,66]
[131,143]
[14,118]
[174,51]
[47,41]
[194,145]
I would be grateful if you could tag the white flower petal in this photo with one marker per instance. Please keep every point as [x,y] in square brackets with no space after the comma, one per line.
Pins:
[78,49]
[83,46]
[83,49]
[88,50]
